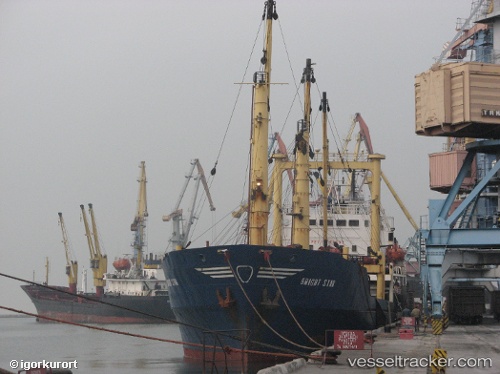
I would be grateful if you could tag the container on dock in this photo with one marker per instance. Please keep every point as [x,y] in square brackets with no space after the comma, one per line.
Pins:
[459,100]
[466,304]
[444,168]
[495,304]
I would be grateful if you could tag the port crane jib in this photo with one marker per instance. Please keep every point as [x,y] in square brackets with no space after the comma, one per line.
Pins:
[139,224]
[71,263]
[98,260]
[180,233]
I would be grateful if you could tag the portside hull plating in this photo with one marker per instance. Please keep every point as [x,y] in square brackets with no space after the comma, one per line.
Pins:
[73,308]
[235,288]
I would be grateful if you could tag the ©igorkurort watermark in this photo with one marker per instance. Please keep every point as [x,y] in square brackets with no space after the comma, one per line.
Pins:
[44,364]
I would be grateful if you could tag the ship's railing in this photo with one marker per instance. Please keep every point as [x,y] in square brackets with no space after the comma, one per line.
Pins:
[338,208]
[346,157]
[351,208]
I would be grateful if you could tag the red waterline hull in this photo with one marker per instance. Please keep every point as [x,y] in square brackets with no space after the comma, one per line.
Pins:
[233,357]
[82,318]
[236,361]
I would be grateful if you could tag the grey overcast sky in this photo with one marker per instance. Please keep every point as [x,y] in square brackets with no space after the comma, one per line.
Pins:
[88,89]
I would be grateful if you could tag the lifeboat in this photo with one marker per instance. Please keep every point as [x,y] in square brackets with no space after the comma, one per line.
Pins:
[395,253]
[122,264]
[369,260]
[329,248]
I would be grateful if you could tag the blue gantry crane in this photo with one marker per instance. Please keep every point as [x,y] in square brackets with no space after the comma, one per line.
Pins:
[460,100]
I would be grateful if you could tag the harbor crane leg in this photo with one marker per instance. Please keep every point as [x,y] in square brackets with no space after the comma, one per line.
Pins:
[443,236]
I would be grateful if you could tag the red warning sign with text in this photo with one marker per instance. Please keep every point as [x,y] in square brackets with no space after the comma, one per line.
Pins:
[408,322]
[348,339]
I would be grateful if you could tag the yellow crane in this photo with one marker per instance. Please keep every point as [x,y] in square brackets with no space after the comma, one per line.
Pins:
[139,224]
[98,260]
[71,264]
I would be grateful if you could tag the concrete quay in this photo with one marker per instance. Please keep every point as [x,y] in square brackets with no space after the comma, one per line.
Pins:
[468,349]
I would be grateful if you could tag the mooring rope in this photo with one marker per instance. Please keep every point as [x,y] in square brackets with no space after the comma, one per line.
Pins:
[95,327]
[290,353]
[257,312]
[267,257]
[178,342]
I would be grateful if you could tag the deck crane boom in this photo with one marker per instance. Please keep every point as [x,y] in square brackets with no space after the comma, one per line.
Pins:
[139,224]
[98,260]
[465,33]
[71,264]
[180,234]
[282,149]
[364,136]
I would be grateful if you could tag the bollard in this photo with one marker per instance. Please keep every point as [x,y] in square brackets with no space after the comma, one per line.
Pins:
[439,361]
[446,322]
[437,326]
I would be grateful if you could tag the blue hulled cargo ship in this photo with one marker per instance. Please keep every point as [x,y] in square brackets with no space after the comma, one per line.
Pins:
[265,299]
[273,299]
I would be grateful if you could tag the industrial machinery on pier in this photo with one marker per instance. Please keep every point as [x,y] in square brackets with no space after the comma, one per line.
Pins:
[460,100]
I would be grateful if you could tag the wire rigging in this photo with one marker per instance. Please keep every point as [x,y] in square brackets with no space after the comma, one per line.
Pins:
[213,171]
[289,353]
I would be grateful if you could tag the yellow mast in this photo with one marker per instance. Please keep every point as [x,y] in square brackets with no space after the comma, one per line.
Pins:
[98,261]
[325,108]
[375,223]
[300,214]
[71,265]
[259,190]
[46,270]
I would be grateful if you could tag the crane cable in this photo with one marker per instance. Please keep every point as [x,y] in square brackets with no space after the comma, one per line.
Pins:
[213,171]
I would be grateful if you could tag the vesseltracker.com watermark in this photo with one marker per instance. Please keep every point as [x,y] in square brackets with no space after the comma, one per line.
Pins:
[44,364]
[413,362]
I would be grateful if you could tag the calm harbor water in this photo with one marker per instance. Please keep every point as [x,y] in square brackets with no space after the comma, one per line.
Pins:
[95,351]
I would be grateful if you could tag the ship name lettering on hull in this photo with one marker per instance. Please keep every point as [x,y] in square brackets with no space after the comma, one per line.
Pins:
[317,282]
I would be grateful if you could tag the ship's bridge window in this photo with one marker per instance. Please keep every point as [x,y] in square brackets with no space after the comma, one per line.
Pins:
[312,222]
[341,223]
[354,223]
[329,222]
[367,223]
